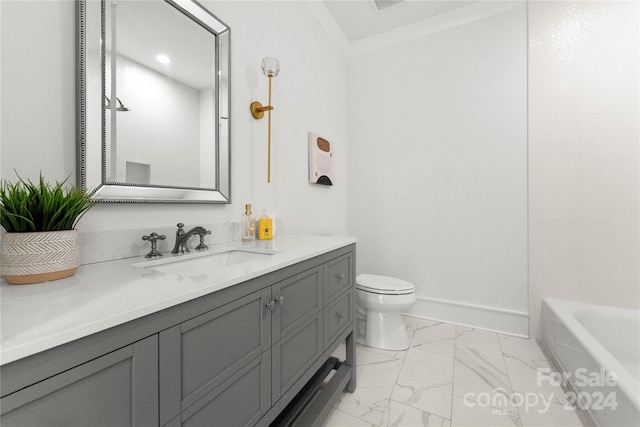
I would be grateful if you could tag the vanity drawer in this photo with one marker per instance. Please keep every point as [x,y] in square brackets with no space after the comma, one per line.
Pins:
[337,317]
[339,275]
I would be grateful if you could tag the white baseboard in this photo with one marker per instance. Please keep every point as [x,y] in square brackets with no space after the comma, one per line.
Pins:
[493,319]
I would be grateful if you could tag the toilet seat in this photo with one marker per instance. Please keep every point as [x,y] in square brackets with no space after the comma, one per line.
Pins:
[383,285]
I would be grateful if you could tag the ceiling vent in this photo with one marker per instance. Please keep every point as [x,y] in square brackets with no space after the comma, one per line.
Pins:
[386,4]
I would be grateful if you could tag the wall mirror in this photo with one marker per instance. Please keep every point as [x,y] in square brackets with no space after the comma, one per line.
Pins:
[153,88]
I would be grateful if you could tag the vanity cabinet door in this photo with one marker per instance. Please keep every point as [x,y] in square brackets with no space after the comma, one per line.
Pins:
[199,357]
[297,299]
[297,328]
[237,401]
[117,389]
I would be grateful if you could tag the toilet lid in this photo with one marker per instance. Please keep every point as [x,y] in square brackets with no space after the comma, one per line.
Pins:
[383,284]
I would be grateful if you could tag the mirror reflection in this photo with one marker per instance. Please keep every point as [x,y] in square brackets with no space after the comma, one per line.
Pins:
[165,134]
[160,82]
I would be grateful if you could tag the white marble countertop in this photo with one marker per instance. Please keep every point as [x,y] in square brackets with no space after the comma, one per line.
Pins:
[37,317]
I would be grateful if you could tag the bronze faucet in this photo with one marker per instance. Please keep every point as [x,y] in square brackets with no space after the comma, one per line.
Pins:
[182,237]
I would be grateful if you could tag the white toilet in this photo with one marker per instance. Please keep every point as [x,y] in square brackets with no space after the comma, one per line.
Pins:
[382,300]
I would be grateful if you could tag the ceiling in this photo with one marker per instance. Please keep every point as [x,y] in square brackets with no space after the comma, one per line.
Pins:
[360,19]
[141,40]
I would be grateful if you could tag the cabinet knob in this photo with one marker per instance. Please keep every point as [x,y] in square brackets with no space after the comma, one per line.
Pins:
[280,300]
[270,305]
[340,276]
[339,316]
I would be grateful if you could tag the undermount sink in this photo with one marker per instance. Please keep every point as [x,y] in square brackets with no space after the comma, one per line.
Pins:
[198,262]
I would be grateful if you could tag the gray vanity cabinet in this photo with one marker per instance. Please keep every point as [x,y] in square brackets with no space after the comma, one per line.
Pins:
[339,276]
[241,356]
[296,328]
[214,359]
[339,304]
[118,389]
[232,363]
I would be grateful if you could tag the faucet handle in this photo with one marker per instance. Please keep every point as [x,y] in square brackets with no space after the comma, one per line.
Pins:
[202,246]
[153,238]
[180,228]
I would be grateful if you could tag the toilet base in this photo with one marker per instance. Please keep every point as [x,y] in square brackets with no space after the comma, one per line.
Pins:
[386,331]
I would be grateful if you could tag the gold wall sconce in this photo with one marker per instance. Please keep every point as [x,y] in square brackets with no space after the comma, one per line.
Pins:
[270,68]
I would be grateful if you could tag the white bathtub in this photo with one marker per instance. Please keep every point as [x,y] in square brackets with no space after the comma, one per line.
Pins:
[598,349]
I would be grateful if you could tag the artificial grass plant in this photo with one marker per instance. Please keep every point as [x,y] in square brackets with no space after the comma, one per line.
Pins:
[27,207]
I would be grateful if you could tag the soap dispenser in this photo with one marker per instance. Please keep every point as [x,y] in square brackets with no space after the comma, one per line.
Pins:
[265,226]
[248,225]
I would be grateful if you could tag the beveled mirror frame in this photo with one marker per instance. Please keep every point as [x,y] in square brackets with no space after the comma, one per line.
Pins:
[105,191]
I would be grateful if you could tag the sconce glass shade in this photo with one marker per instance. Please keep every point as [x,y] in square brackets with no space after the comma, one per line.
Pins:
[270,66]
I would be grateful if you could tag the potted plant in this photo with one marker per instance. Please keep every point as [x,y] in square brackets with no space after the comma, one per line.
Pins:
[40,242]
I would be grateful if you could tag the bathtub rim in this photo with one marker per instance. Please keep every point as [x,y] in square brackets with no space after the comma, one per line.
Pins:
[625,379]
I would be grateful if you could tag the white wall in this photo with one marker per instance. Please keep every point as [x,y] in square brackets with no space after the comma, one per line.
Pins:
[38,114]
[436,160]
[438,169]
[583,153]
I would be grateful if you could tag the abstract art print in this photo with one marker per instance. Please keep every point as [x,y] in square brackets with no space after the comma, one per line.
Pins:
[321,169]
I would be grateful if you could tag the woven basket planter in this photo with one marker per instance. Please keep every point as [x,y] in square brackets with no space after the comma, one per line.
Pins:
[39,257]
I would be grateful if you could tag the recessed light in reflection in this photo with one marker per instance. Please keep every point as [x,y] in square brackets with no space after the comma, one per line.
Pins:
[163,59]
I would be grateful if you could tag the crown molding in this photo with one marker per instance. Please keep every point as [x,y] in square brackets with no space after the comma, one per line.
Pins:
[320,11]
[465,15]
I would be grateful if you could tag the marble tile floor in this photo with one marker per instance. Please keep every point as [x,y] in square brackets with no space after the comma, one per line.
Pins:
[455,376]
